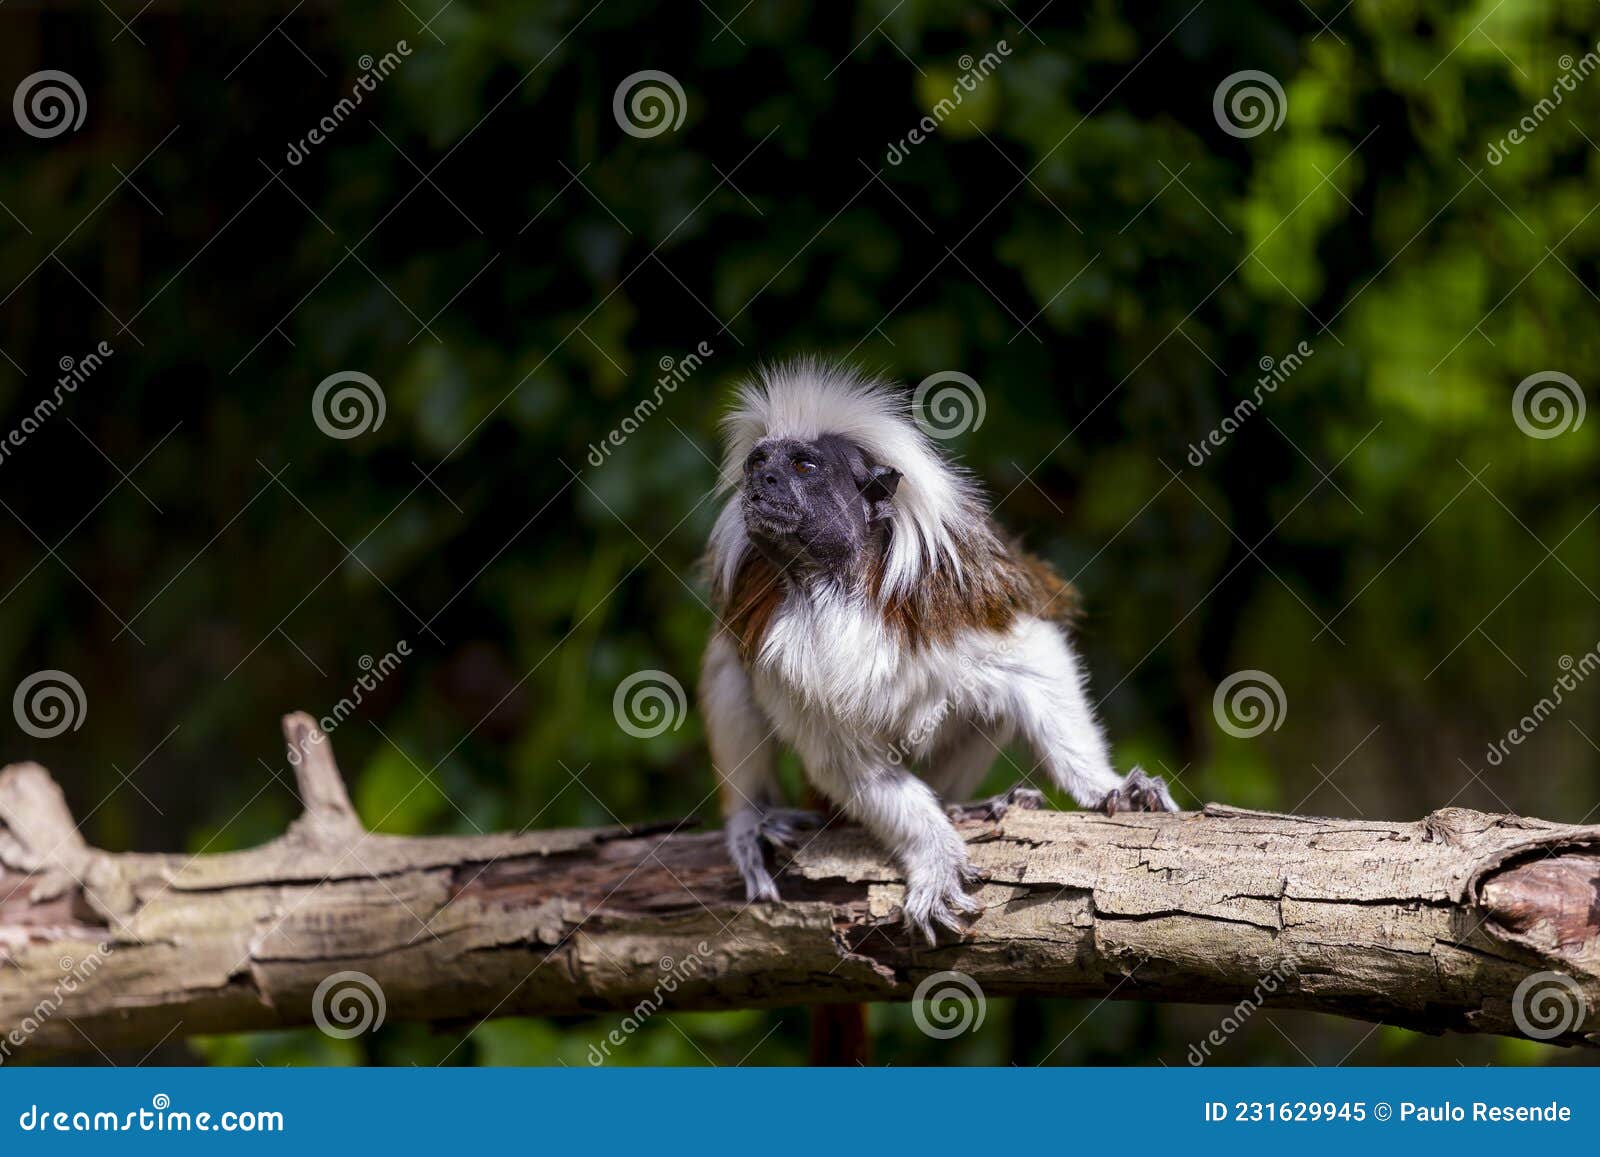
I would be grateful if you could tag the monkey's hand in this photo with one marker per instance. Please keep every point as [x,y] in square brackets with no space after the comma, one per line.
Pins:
[935,893]
[750,829]
[1139,792]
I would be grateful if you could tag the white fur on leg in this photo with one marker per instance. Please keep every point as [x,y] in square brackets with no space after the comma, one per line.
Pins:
[1051,708]
[904,815]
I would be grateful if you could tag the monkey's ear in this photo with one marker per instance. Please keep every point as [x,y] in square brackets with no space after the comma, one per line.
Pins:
[878,491]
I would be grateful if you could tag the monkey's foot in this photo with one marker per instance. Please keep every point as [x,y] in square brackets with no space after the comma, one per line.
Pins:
[1139,793]
[782,827]
[930,907]
[994,809]
[751,831]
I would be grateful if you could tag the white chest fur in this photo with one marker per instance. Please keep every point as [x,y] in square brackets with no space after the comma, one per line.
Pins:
[831,673]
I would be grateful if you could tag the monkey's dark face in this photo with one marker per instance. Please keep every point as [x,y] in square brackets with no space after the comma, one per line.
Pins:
[817,502]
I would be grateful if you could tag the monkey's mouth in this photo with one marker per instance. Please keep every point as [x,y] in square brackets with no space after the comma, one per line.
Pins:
[769,518]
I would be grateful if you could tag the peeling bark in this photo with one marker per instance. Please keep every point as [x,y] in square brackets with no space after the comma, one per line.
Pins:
[1431,925]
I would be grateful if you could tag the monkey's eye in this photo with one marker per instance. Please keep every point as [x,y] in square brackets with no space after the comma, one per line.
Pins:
[756,459]
[804,466]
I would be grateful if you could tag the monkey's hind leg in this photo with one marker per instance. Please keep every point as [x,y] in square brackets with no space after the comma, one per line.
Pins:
[994,809]
[959,766]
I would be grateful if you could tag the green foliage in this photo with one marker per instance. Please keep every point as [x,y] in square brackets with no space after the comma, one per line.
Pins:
[1081,237]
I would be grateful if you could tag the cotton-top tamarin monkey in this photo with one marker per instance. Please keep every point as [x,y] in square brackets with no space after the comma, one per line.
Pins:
[874,618]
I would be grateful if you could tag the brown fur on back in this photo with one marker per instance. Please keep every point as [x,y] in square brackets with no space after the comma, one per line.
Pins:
[998,583]
[1060,600]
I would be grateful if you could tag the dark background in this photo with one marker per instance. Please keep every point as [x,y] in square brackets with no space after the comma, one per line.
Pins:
[1080,237]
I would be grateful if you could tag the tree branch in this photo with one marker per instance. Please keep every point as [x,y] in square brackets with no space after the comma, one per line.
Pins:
[1430,925]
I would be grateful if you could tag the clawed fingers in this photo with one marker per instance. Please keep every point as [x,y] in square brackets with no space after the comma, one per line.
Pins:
[784,827]
[927,910]
[994,810]
[1139,792]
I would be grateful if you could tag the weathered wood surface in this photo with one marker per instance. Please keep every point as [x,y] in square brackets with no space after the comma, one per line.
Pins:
[1431,925]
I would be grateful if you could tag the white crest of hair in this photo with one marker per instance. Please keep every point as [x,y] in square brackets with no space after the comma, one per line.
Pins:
[935,506]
